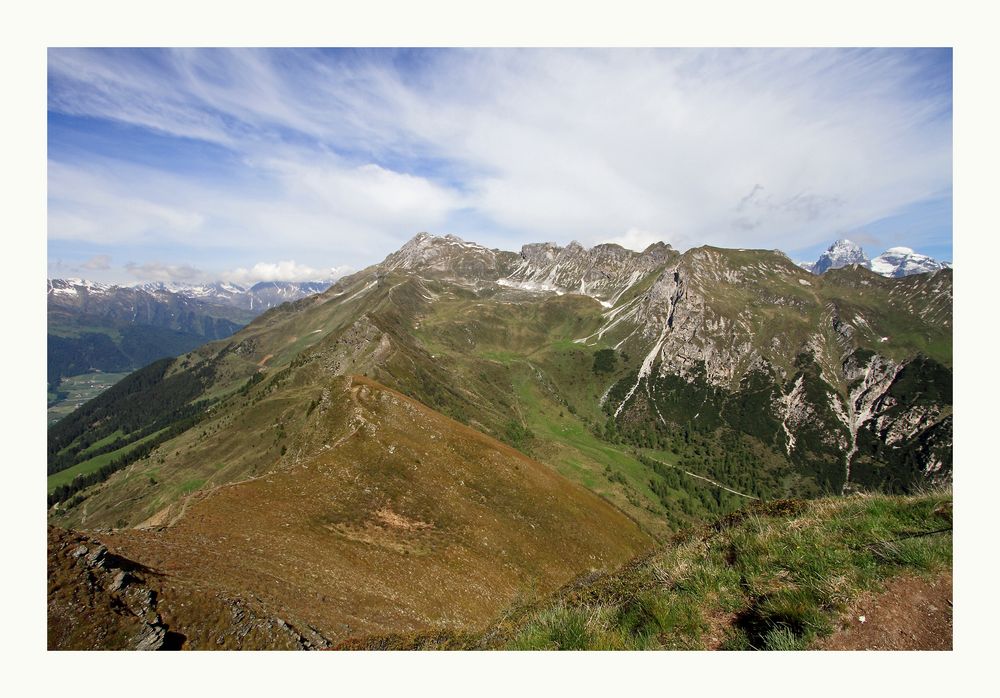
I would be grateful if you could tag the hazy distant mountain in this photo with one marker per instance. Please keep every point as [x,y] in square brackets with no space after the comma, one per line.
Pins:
[258,297]
[106,327]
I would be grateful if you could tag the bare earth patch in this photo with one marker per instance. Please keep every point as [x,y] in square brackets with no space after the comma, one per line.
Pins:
[390,518]
[911,614]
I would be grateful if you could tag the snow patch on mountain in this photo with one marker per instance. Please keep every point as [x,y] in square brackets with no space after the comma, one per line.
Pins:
[897,262]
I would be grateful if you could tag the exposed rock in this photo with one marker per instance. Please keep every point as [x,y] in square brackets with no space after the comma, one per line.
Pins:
[120,581]
[152,637]
[96,556]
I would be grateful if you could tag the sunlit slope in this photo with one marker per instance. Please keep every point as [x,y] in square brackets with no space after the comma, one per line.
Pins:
[797,372]
[387,516]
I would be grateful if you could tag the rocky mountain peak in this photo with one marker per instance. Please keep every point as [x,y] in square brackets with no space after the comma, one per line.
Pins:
[448,256]
[896,262]
[840,254]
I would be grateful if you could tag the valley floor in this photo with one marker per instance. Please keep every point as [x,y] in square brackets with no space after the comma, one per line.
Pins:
[78,390]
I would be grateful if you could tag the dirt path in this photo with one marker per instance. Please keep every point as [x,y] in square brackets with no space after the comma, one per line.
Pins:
[265,360]
[911,614]
[702,477]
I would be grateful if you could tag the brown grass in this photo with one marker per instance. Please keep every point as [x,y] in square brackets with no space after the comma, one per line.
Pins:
[415,523]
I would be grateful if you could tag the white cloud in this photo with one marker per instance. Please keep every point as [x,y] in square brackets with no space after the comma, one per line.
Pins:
[283,271]
[106,203]
[638,240]
[781,148]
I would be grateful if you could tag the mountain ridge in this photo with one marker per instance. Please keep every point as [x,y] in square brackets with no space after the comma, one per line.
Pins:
[703,328]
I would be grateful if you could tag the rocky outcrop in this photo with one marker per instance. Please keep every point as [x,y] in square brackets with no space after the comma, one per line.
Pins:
[98,600]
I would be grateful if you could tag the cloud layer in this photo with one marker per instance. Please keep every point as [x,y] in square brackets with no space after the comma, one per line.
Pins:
[339,157]
[284,271]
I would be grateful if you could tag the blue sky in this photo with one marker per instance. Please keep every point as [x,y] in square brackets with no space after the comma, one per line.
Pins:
[195,165]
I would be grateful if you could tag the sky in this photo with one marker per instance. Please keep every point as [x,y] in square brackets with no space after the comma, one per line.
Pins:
[303,164]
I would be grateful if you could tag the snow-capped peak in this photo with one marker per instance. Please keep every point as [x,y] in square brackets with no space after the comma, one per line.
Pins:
[841,253]
[71,287]
[895,262]
[903,261]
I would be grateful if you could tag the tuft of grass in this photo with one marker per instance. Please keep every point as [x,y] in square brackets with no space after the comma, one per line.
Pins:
[781,572]
[558,628]
[783,640]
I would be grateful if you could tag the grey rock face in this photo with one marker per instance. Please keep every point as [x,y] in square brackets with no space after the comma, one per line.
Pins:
[602,272]
[151,638]
[96,556]
[842,253]
[120,581]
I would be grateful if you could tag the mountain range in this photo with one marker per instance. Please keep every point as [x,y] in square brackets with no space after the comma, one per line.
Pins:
[419,445]
[104,327]
[895,262]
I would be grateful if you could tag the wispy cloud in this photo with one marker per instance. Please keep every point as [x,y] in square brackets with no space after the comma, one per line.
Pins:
[99,262]
[340,156]
[157,271]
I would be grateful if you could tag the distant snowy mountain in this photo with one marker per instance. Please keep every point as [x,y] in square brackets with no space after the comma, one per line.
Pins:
[267,294]
[842,253]
[217,290]
[96,326]
[895,262]
[902,261]
[74,287]
[258,298]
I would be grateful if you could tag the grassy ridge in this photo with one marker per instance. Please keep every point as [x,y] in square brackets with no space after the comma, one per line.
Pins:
[774,576]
